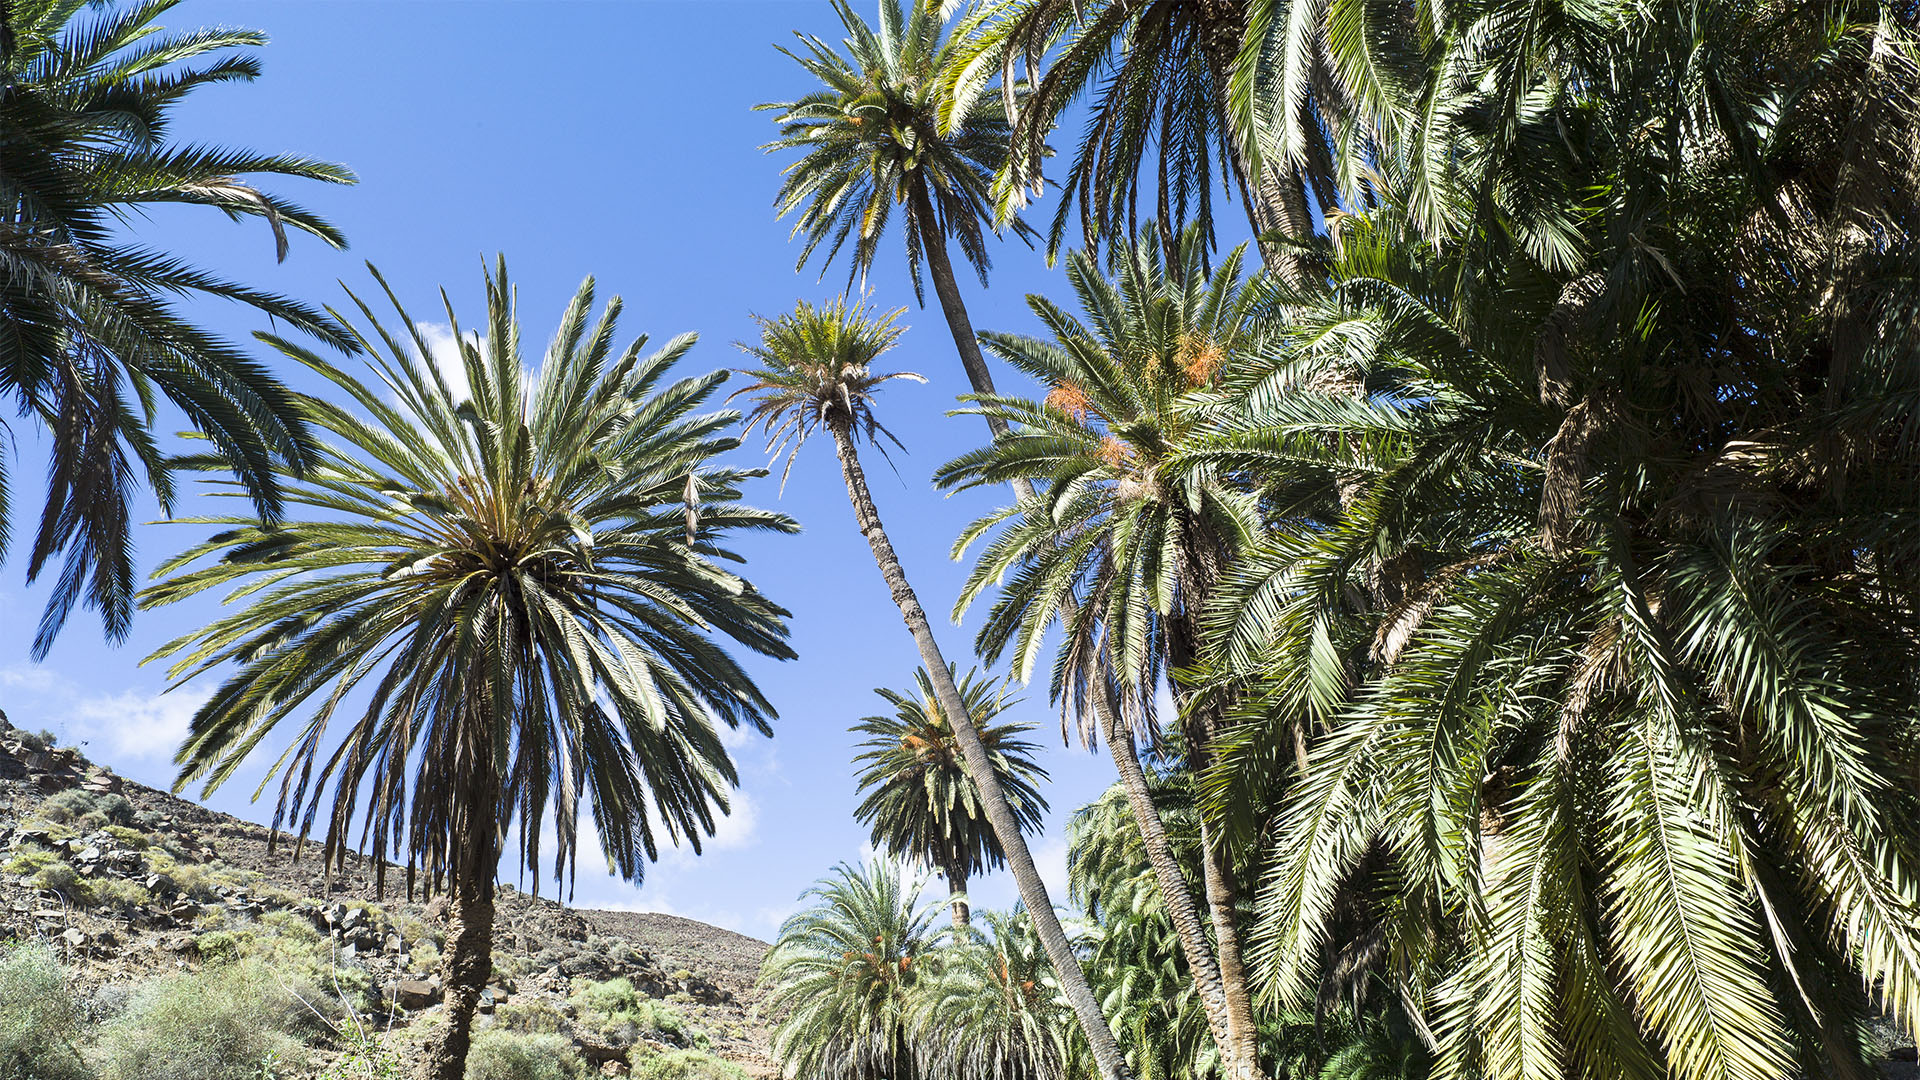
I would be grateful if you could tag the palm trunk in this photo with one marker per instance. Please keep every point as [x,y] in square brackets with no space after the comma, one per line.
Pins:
[468,959]
[1199,570]
[1073,980]
[1276,201]
[1176,893]
[940,269]
[957,895]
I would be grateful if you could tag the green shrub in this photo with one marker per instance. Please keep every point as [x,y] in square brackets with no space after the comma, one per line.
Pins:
[223,1023]
[39,1018]
[62,878]
[30,860]
[133,838]
[364,1059]
[504,1055]
[535,1017]
[686,1065]
[621,1015]
[85,810]
[119,897]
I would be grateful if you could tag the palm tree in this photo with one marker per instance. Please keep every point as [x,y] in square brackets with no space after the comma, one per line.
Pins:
[818,373]
[1123,547]
[524,587]
[90,339]
[993,1010]
[1620,762]
[842,974]
[884,130]
[919,800]
[1160,76]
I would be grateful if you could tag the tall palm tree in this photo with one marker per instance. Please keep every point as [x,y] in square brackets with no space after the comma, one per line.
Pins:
[919,800]
[841,977]
[90,339]
[993,1010]
[524,587]
[883,131]
[817,373]
[1123,547]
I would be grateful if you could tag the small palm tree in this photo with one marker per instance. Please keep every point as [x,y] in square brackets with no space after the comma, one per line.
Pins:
[89,335]
[842,974]
[817,373]
[919,800]
[882,131]
[992,1010]
[514,596]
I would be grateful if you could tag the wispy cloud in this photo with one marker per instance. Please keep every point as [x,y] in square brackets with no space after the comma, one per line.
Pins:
[127,726]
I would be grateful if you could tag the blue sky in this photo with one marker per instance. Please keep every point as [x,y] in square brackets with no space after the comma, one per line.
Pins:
[618,140]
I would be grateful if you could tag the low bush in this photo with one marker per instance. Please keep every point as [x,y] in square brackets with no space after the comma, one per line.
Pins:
[39,1018]
[686,1065]
[30,860]
[86,811]
[535,1017]
[133,838]
[227,1022]
[119,897]
[506,1055]
[622,1015]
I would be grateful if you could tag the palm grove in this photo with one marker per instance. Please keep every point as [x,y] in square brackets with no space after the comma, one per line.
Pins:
[1467,486]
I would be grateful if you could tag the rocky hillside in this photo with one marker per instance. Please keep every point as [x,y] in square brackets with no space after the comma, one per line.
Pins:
[126,883]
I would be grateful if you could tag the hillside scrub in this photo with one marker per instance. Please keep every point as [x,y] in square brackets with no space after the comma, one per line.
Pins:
[506,1055]
[228,1022]
[39,1019]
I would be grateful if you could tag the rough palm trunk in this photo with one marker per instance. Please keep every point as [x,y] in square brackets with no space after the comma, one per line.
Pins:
[468,958]
[1176,892]
[1200,565]
[956,877]
[1276,200]
[940,269]
[1073,980]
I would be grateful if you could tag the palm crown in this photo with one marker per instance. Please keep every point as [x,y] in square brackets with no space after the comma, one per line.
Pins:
[515,593]
[919,800]
[882,130]
[817,372]
[92,341]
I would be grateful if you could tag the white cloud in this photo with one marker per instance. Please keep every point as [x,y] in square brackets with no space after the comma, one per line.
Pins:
[445,355]
[1050,858]
[127,727]
[135,724]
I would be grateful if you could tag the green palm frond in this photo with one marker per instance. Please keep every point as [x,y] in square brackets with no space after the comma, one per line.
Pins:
[480,611]
[93,340]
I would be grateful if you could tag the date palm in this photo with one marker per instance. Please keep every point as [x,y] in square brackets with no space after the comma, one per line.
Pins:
[91,340]
[993,1010]
[1122,546]
[817,373]
[488,610]
[842,975]
[1619,761]
[1159,76]
[882,133]
[918,798]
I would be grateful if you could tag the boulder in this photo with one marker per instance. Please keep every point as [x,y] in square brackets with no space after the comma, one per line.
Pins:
[413,994]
